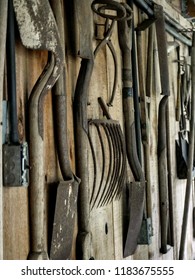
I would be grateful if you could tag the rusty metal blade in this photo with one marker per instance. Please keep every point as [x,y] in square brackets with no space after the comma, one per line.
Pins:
[137,194]
[64,219]
[38,30]
[136,202]
[111,182]
[67,190]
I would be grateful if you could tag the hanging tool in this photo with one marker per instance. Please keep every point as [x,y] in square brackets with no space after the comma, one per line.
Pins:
[84,239]
[182,144]
[190,162]
[112,182]
[145,90]
[137,192]
[15,154]
[38,30]
[67,190]
[3,29]
[100,8]
[136,88]
[85,246]
[171,26]
[162,127]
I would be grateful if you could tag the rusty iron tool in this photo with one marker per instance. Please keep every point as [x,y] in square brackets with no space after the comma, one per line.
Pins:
[182,144]
[67,190]
[190,162]
[136,87]
[112,181]
[145,89]
[38,30]
[84,239]
[102,8]
[137,191]
[15,153]
[85,245]
[125,33]
[162,126]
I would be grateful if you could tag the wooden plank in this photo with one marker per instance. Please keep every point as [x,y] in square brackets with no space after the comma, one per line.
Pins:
[173,13]
[105,222]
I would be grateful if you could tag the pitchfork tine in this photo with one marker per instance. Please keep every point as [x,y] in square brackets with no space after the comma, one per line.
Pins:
[103,162]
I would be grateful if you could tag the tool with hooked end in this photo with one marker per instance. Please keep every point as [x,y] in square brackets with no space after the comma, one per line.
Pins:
[85,246]
[137,191]
[38,30]
[67,190]
[101,8]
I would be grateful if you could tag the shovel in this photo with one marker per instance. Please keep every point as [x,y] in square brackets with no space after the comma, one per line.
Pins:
[84,14]
[38,30]
[137,190]
[67,190]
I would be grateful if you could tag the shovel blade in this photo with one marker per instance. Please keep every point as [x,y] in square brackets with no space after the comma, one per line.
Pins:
[33,17]
[64,220]
[136,210]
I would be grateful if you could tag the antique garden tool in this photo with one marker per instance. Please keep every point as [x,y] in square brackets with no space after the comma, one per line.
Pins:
[84,239]
[112,181]
[162,126]
[38,30]
[190,162]
[67,190]
[81,130]
[182,144]
[145,90]
[85,246]
[137,191]
[101,8]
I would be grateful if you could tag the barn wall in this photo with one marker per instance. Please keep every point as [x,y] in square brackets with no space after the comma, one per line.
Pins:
[106,222]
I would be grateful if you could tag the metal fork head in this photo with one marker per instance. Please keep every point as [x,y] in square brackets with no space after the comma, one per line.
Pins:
[112,181]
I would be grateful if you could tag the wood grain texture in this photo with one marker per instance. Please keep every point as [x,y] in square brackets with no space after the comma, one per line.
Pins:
[106,222]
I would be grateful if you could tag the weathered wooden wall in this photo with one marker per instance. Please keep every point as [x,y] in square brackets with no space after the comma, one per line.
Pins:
[105,222]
